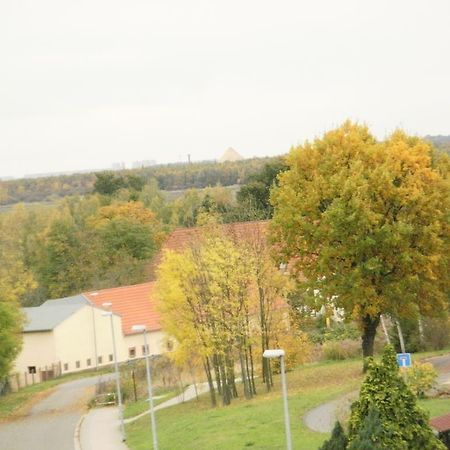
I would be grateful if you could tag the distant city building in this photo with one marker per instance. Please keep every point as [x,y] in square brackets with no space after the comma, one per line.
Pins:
[143,163]
[230,155]
[118,166]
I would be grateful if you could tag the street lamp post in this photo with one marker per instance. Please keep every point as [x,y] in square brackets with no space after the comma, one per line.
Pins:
[116,369]
[143,329]
[278,353]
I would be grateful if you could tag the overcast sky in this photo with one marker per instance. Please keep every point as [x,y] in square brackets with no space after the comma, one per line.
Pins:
[84,84]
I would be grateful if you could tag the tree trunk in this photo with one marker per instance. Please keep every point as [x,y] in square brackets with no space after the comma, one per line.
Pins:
[217,374]
[226,395]
[244,376]
[400,336]
[212,391]
[369,329]
[386,334]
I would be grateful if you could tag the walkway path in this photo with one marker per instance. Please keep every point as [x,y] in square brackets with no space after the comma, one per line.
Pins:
[100,428]
[323,417]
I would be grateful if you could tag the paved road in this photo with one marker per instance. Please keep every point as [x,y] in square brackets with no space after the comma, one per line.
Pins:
[51,423]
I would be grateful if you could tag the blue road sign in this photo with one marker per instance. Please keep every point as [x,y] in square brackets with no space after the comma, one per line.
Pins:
[404,359]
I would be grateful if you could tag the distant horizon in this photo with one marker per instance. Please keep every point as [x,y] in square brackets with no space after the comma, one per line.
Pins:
[112,166]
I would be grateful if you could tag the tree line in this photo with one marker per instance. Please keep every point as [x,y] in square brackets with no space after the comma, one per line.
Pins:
[168,177]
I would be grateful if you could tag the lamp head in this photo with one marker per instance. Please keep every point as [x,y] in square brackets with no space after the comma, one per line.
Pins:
[139,328]
[274,353]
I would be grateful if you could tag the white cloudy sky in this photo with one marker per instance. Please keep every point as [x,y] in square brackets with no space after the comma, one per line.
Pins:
[85,83]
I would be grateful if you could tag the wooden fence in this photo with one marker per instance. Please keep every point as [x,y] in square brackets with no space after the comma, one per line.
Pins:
[20,380]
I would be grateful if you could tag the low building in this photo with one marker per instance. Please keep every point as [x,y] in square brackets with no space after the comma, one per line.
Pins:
[66,335]
[137,306]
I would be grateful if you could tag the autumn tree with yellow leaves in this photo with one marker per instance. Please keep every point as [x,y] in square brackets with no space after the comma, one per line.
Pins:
[366,222]
[218,299]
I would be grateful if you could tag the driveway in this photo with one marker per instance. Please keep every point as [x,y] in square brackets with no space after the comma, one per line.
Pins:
[51,423]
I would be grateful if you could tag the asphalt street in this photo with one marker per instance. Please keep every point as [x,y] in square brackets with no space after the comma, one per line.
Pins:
[51,423]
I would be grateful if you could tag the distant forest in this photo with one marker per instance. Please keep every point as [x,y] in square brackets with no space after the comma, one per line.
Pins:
[441,142]
[169,177]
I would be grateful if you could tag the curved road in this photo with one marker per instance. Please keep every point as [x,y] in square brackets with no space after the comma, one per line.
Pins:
[51,423]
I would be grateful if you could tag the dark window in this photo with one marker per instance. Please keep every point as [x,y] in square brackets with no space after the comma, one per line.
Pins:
[144,350]
[132,352]
[110,357]
[77,364]
[31,369]
[100,359]
[66,366]
[88,362]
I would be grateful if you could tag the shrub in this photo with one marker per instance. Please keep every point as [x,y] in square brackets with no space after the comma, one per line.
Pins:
[338,350]
[420,377]
[404,425]
[338,439]
[370,433]
[436,333]
[298,349]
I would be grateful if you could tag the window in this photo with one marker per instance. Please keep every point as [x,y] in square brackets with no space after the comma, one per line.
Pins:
[66,366]
[100,359]
[144,350]
[88,362]
[110,357]
[132,352]
[31,369]
[169,346]
[77,364]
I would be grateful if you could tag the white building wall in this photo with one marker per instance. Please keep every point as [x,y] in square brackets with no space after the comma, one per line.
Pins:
[156,340]
[85,339]
[38,350]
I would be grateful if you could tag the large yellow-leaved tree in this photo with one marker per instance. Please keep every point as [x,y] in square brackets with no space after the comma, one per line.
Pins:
[366,222]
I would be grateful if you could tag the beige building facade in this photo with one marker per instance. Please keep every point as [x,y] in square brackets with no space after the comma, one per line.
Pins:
[68,335]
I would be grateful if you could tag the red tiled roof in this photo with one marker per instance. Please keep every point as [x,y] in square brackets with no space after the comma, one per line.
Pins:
[441,423]
[136,304]
[181,237]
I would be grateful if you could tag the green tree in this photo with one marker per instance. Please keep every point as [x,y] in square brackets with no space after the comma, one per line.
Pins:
[366,223]
[15,280]
[370,433]
[404,425]
[338,439]
[256,192]
[108,183]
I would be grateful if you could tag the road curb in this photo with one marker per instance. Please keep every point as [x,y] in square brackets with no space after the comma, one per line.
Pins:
[76,434]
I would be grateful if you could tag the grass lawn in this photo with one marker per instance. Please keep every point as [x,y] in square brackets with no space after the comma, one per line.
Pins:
[436,406]
[135,408]
[257,423]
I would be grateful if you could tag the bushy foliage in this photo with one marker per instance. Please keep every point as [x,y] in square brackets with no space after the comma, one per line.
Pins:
[404,424]
[365,223]
[436,332]
[299,349]
[420,377]
[338,439]
[369,436]
[339,350]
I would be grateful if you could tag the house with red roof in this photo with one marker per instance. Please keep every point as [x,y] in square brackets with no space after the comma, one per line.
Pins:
[136,305]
